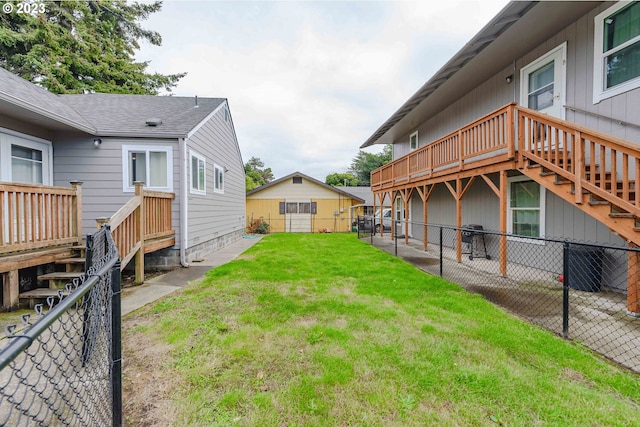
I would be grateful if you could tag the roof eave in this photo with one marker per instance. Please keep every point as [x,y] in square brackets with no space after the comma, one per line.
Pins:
[46,113]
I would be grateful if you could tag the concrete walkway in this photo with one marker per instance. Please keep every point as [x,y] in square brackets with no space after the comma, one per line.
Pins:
[159,286]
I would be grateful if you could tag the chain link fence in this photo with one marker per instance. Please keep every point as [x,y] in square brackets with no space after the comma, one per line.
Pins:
[581,291]
[62,365]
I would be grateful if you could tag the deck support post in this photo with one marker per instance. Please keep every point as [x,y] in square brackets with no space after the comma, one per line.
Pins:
[139,192]
[10,289]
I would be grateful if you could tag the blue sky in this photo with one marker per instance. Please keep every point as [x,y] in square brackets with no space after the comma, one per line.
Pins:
[309,81]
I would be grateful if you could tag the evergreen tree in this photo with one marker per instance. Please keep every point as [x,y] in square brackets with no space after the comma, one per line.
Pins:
[364,163]
[78,46]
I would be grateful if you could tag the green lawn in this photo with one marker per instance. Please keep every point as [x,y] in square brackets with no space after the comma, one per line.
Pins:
[325,330]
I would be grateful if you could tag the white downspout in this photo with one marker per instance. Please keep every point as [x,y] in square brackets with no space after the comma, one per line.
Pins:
[184,230]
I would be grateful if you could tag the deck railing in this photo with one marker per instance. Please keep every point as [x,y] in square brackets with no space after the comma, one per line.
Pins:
[485,141]
[603,165]
[146,216]
[39,216]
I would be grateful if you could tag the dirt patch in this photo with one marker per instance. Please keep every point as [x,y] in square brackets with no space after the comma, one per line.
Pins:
[146,386]
[129,278]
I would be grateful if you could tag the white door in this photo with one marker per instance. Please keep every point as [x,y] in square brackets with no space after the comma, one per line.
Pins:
[542,83]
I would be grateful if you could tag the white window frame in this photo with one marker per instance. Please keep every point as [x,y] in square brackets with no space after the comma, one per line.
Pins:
[126,149]
[203,160]
[411,148]
[510,210]
[218,171]
[8,138]
[599,91]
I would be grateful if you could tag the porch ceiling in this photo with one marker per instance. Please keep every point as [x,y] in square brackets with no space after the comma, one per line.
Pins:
[516,30]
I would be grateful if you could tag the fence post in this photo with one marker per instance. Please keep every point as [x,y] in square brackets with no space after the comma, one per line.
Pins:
[116,346]
[441,262]
[565,289]
[395,235]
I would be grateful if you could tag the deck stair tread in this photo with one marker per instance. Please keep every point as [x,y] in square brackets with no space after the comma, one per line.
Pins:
[60,275]
[71,261]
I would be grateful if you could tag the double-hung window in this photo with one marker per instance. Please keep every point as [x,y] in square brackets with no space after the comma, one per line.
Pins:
[151,165]
[218,179]
[198,174]
[526,207]
[616,51]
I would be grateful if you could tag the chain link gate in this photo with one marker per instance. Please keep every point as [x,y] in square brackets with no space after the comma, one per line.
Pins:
[64,367]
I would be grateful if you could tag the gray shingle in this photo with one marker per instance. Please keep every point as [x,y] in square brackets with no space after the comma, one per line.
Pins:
[120,115]
[34,98]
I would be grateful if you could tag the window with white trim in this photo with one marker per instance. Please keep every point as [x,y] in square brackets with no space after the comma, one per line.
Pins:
[152,165]
[218,179]
[616,51]
[526,208]
[413,141]
[198,173]
[24,159]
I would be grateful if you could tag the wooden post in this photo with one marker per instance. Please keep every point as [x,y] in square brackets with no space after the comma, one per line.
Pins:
[10,289]
[140,225]
[77,210]
[633,281]
[503,222]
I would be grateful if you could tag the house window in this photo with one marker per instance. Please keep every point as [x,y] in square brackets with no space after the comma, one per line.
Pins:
[413,141]
[198,174]
[297,180]
[26,164]
[526,207]
[298,208]
[616,51]
[149,164]
[24,158]
[218,179]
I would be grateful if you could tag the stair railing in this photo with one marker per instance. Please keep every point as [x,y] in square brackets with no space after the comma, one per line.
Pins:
[147,215]
[601,164]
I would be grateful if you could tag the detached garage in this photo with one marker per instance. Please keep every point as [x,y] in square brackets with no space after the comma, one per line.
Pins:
[298,203]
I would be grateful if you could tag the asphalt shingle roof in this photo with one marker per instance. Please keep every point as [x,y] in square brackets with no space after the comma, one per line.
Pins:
[114,114]
[25,94]
[109,114]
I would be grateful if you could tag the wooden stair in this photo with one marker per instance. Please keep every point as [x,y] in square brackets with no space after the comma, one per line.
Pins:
[73,268]
[617,219]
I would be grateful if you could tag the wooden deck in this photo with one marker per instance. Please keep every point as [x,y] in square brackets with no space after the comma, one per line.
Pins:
[595,172]
[41,225]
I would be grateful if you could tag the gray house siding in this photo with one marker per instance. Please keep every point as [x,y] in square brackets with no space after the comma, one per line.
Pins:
[216,219]
[100,170]
[480,204]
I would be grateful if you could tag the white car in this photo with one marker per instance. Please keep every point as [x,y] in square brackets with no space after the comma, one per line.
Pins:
[386,219]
